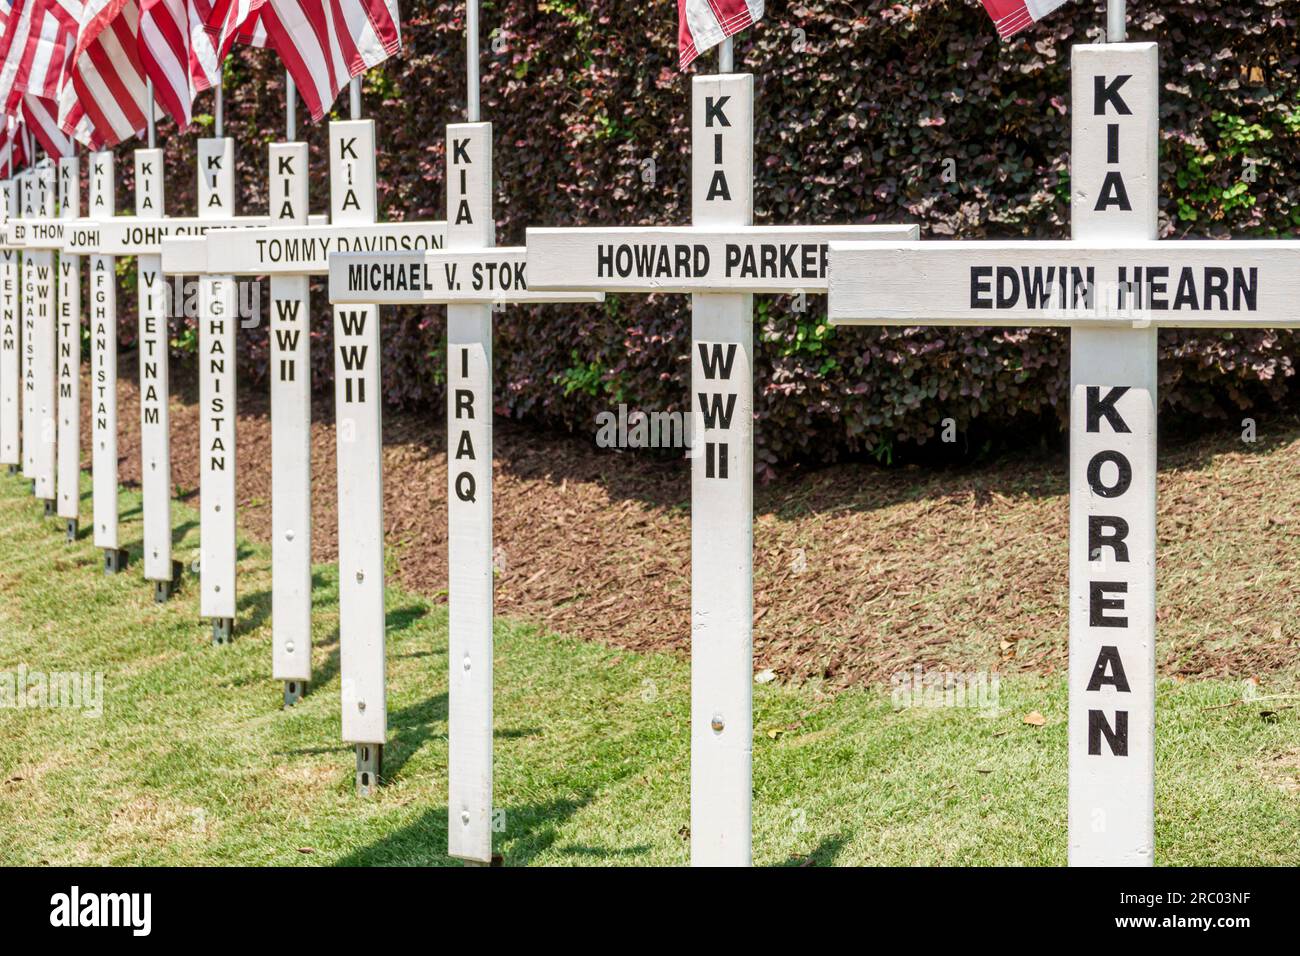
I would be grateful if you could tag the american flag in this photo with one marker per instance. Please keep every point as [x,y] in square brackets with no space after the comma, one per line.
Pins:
[1012,16]
[703,24]
[183,42]
[107,82]
[42,117]
[324,43]
[36,48]
[13,151]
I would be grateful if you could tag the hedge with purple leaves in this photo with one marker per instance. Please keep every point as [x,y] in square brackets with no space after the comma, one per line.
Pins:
[860,111]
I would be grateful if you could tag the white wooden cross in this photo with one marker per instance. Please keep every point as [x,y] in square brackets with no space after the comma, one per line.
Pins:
[68,317]
[10,337]
[472,278]
[300,251]
[722,260]
[81,238]
[1112,285]
[32,232]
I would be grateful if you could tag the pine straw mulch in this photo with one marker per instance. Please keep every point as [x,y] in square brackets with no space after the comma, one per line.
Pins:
[859,571]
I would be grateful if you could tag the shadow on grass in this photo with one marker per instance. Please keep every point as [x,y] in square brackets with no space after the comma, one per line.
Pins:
[530,828]
[823,854]
[257,606]
[409,728]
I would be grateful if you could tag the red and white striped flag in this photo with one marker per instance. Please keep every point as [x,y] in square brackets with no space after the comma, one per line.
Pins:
[107,82]
[703,24]
[42,118]
[324,43]
[13,151]
[177,53]
[183,43]
[1012,16]
[234,21]
[36,49]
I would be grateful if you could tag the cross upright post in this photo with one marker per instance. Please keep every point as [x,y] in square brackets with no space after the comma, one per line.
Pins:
[153,342]
[1113,284]
[10,330]
[721,260]
[218,317]
[84,235]
[68,317]
[290,334]
[40,389]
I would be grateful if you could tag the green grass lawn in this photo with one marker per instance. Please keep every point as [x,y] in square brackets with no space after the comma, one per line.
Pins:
[194,762]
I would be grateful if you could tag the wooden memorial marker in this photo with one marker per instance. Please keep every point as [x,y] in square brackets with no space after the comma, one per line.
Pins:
[27,431]
[721,260]
[218,318]
[290,334]
[84,235]
[300,250]
[1113,285]
[68,483]
[10,338]
[155,381]
[40,424]
[471,278]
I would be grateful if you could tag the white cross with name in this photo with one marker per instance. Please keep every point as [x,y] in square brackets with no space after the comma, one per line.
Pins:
[33,231]
[80,236]
[296,252]
[1113,285]
[68,318]
[471,278]
[10,336]
[722,260]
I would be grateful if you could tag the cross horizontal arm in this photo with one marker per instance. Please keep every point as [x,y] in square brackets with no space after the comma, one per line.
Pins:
[36,233]
[185,255]
[135,236]
[775,259]
[490,275]
[1182,283]
[303,250]
[188,255]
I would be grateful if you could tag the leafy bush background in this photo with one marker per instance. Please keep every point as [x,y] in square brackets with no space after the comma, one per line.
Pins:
[855,116]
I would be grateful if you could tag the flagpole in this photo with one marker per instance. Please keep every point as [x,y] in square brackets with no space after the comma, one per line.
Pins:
[290,108]
[354,97]
[726,57]
[471,61]
[1116,21]
[152,132]
[219,117]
